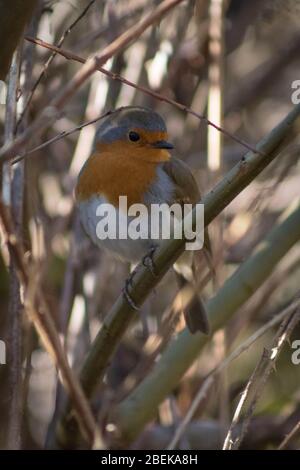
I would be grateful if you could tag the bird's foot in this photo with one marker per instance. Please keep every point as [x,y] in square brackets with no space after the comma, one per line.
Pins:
[128,285]
[148,261]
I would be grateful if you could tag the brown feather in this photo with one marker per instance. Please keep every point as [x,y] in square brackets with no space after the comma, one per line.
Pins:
[187,191]
[186,188]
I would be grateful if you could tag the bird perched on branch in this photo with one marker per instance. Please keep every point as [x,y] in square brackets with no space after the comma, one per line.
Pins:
[132,158]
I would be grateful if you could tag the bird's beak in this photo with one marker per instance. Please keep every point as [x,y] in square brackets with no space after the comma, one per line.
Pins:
[162,144]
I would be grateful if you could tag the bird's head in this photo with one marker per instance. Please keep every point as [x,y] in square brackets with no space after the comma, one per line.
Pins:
[136,132]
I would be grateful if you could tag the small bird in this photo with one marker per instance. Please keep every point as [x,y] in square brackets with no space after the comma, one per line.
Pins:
[131,158]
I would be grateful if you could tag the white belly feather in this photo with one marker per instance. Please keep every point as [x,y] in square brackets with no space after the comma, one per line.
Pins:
[126,249]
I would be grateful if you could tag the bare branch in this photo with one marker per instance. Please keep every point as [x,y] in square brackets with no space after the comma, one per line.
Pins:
[15,305]
[52,56]
[55,107]
[37,309]
[114,76]
[257,381]
[210,379]
[290,436]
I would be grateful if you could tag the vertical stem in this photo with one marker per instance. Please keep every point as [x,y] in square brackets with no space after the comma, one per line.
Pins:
[18,188]
[13,198]
[214,149]
[14,308]
[215,75]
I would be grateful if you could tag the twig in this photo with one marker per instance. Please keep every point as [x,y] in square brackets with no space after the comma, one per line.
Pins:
[72,268]
[114,76]
[17,211]
[211,377]
[290,436]
[15,304]
[215,76]
[117,321]
[257,381]
[56,105]
[61,135]
[140,406]
[172,317]
[50,59]
[9,127]
[254,85]
[90,37]
[275,282]
[38,312]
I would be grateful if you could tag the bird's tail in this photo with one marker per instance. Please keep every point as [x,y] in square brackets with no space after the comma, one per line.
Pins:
[195,313]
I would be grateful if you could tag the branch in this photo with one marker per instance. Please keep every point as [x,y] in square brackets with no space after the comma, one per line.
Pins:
[213,375]
[289,436]
[61,135]
[49,115]
[52,56]
[257,382]
[14,323]
[115,76]
[38,312]
[121,314]
[141,405]
[216,82]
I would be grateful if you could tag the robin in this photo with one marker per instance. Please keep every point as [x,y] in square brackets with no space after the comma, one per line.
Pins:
[131,158]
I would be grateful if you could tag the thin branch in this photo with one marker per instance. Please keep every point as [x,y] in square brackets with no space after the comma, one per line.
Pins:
[9,126]
[140,406]
[61,135]
[257,381]
[290,436]
[37,309]
[15,305]
[114,76]
[166,330]
[105,30]
[215,76]
[49,115]
[52,56]
[211,377]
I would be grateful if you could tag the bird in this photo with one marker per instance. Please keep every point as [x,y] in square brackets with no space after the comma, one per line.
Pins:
[132,157]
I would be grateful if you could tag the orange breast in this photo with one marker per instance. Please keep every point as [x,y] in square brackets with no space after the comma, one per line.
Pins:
[116,172]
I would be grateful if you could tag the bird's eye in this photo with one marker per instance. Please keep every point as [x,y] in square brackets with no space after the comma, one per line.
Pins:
[133,136]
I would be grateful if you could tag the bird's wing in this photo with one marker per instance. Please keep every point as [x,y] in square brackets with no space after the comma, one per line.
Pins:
[187,191]
[186,188]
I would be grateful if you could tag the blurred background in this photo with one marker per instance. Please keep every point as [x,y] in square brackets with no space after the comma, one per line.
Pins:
[234,61]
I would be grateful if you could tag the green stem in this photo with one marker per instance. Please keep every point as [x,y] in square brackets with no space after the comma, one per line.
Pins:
[141,405]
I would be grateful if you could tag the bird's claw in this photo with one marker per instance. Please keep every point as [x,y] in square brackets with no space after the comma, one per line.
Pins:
[128,283]
[148,261]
